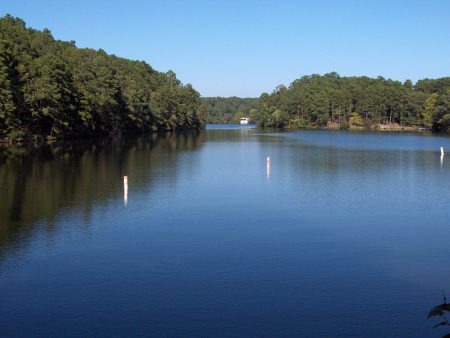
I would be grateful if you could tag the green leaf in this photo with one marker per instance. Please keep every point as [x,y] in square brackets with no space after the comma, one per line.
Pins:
[439,310]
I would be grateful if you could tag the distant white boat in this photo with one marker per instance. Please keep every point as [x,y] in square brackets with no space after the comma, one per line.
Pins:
[245,120]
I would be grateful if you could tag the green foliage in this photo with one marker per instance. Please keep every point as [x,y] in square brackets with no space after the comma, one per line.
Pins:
[16,134]
[344,125]
[356,120]
[316,101]
[279,118]
[298,122]
[440,311]
[441,116]
[230,109]
[51,88]
[428,110]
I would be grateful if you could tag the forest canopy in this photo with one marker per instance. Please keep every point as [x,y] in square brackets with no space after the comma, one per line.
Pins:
[230,109]
[320,101]
[51,88]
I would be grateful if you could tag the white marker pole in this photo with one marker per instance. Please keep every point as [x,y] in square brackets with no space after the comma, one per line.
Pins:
[125,190]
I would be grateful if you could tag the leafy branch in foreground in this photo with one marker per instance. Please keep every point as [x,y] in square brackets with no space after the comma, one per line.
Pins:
[440,311]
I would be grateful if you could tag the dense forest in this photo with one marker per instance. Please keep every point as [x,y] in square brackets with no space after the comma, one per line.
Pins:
[51,88]
[230,109]
[362,102]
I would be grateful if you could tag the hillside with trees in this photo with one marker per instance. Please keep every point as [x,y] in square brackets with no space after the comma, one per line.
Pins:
[230,109]
[361,102]
[51,88]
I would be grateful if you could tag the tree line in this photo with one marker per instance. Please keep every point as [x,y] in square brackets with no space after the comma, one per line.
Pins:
[230,109]
[51,88]
[332,100]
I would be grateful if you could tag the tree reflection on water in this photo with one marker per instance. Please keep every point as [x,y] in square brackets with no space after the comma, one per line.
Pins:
[36,182]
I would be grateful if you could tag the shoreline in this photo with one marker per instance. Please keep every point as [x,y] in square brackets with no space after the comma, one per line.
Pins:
[379,127]
[40,139]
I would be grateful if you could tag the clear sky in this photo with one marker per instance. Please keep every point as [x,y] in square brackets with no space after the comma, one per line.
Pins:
[247,47]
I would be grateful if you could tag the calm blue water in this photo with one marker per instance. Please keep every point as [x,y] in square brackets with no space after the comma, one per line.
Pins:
[344,234]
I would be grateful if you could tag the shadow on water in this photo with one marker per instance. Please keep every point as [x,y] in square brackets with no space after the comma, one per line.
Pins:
[37,182]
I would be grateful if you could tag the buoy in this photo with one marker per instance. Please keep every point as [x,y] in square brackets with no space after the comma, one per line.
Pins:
[268,160]
[125,190]
[442,150]
[268,167]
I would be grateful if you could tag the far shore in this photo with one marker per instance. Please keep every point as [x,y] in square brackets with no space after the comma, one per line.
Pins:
[375,127]
[393,127]
[381,127]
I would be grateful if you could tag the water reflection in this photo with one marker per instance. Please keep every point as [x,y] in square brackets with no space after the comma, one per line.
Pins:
[37,182]
[205,237]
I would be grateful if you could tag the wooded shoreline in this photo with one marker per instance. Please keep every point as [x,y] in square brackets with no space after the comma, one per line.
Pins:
[338,102]
[50,89]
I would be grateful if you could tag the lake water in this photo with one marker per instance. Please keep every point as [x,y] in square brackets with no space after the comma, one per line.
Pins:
[344,234]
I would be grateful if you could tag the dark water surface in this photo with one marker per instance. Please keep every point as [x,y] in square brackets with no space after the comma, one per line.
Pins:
[345,234]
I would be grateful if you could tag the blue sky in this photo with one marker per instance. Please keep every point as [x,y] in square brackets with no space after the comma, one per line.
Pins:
[244,48]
